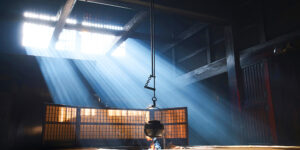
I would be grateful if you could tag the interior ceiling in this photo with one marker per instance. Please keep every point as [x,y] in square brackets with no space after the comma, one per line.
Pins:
[216,8]
[167,24]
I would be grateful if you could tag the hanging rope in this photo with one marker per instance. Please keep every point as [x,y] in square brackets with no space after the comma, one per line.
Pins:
[152,31]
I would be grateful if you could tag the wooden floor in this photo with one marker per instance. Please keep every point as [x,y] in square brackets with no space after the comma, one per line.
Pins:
[252,147]
[245,147]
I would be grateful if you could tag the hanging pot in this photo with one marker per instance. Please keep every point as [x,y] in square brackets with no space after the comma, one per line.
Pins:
[154,129]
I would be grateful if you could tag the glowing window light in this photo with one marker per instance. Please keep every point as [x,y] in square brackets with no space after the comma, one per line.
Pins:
[88,112]
[111,112]
[71,21]
[62,114]
[47,17]
[136,113]
[36,36]
[93,112]
[119,113]
[69,113]
[53,18]
[94,43]
[67,40]
[124,112]
[31,15]
[105,26]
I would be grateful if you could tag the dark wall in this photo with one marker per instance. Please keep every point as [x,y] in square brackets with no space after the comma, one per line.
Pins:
[285,84]
[23,93]
[258,21]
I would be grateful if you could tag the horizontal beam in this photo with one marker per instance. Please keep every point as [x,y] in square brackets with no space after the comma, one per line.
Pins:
[270,44]
[204,72]
[64,14]
[219,67]
[185,35]
[192,54]
[146,37]
[112,3]
[129,27]
[218,41]
[142,5]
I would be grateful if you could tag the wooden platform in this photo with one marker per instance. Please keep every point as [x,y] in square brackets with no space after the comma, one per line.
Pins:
[244,147]
[240,147]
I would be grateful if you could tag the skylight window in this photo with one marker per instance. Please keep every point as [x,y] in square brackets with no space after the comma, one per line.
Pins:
[67,40]
[71,21]
[105,26]
[36,37]
[91,43]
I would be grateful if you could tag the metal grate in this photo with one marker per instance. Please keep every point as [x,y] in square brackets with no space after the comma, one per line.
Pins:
[59,124]
[171,115]
[256,120]
[175,122]
[64,126]
[113,116]
[59,132]
[112,132]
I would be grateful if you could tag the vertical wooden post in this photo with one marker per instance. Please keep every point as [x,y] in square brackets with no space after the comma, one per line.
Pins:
[44,123]
[208,49]
[187,125]
[77,127]
[261,23]
[173,58]
[233,68]
[234,81]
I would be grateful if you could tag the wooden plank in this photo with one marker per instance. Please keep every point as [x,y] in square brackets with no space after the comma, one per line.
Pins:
[209,45]
[128,28]
[204,72]
[270,44]
[65,12]
[233,68]
[218,67]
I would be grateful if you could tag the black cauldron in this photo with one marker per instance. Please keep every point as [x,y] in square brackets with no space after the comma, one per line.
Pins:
[154,128]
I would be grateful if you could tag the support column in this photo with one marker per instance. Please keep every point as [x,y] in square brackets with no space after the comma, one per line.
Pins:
[208,50]
[173,59]
[77,128]
[235,84]
[233,68]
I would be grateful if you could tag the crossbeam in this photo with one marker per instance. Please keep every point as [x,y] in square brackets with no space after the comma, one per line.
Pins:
[64,14]
[128,29]
[219,66]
